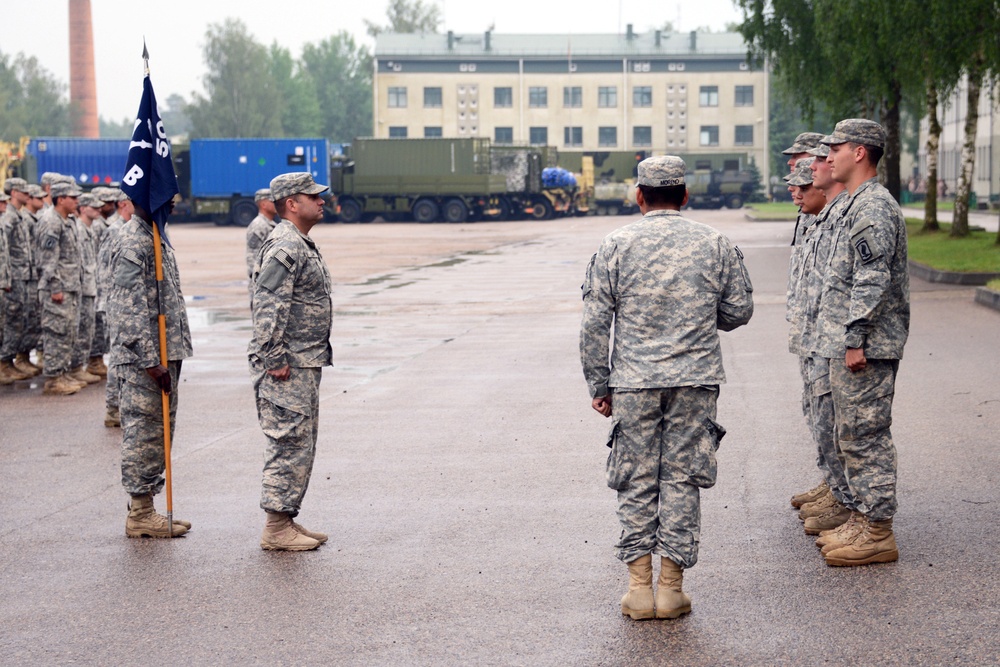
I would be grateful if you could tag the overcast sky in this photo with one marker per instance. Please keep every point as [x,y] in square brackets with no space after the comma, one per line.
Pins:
[175,31]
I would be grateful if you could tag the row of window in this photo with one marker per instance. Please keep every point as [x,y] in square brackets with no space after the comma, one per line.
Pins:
[607,97]
[642,135]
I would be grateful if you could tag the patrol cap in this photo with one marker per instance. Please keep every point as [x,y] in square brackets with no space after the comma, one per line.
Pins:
[65,189]
[105,194]
[803,143]
[88,199]
[298,182]
[661,171]
[857,131]
[801,174]
[18,184]
[821,150]
[4,196]
[263,193]
[49,177]
[36,192]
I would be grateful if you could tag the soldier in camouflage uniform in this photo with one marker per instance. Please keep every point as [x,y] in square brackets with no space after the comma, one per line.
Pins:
[135,355]
[33,324]
[664,285]
[122,214]
[863,324]
[108,199]
[5,282]
[259,229]
[89,212]
[58,249]
[292,316]
[14,226]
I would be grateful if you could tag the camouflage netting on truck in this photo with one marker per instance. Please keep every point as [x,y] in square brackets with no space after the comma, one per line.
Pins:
[513,164]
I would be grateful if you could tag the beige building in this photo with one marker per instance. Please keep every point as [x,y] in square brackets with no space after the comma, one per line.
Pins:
[655,92]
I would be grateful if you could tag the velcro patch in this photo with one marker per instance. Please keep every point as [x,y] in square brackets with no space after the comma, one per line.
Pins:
[132,256]
[284,258]
[275,271]
[865,245]
[128,271]
[50,242]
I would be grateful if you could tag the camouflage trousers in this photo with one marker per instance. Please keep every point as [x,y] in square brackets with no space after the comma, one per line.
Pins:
[822,427]
[288,412]
[16,306]
[84,332]
[862,402]
[663,444]
[59,328]
[101,343]
[112,389]
[143,462]
[33,326]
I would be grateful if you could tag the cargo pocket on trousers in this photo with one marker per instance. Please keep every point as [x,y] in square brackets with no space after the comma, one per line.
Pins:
[705,466]
[619,468]
[54,318]
[862,421]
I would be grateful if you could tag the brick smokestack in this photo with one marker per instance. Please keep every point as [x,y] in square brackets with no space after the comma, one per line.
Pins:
[82,80]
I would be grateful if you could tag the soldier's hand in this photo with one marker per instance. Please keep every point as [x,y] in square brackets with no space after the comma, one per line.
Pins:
[855,359]
[161,376]
[282,373]
[57,297]
[602,404]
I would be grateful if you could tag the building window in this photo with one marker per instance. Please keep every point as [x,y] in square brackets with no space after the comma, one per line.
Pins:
[503,97]
[709,135]
[538,136]
[642,96]
[642,135]
[503,135]
[573,136]
[607,97]
[432,98]
[709,96]
[432,132]
[572,97]
[744,96]
[397,97]
[397,132]
[744,135]
[607,136]
[538,97]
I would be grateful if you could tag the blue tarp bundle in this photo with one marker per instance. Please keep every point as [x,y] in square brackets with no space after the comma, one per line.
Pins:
[557,177]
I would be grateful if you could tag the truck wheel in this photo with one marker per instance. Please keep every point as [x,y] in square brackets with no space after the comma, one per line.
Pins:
[602,210]
[243,212]
[541,209]
[425,211]
[455,210]
[613,210]
[350,210]
[734,201]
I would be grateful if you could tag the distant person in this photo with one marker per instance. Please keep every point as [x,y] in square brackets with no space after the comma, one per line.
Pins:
[259,229]
[15,226]
[89,211]
[292,316]
[664,286]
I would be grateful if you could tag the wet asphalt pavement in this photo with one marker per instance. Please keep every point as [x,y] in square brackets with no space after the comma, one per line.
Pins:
[460,475]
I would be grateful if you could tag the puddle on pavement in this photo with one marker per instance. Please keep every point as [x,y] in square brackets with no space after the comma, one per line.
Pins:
[448,262]
[377,280]
[202,318]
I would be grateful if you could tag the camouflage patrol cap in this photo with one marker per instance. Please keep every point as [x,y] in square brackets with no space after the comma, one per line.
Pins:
[49,177]
[105,194]
[63,178]
[820,151]
[263,193]
[857,131]
[4,196]
[88,199]
[18,184]
[803,143]
[36,191]
[299,182]
[801,174]
[661,171]
[65,189]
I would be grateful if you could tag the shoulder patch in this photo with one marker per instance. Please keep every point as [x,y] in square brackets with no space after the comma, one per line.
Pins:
[275,271]
[865,246]
[132,256]
[49,242]
[128,270]
[287,260]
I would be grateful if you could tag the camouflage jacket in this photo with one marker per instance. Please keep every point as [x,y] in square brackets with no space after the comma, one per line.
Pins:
[291,305]
[803,225]
[257,232]
[16,227]
[33,225]
[666,284]
[814,253]
[58,253]
[105,251]
[132,300]
[88,259]
[5,282]
[865,300]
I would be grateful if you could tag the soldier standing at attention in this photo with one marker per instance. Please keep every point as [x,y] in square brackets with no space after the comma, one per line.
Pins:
[59,288]
[135,355]
[665,285]
[33,326]
[122,214]
[14,225]
[292,315]
[864,318]
[259,228]
[89,212]
[5,282]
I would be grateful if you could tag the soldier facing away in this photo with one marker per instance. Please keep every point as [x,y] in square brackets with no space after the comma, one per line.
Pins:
[665,285]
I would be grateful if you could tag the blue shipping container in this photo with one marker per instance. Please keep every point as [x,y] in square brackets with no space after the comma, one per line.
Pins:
[227,167]
[90,161]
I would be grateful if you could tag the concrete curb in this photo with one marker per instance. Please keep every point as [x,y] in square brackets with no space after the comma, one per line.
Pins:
[933,275]
[987,297]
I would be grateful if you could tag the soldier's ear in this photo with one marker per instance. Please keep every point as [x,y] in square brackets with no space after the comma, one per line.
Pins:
[685,200]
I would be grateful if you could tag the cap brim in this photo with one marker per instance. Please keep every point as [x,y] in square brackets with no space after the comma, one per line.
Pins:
[831,140]
[315,189]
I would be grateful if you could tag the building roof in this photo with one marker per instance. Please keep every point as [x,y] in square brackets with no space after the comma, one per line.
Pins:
[474,45]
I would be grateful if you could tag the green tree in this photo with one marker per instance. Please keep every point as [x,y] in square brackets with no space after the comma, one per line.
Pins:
[301,115]
[243,99]
[341,72]
[408,16]
[110,129]
[173,111]
[32,101]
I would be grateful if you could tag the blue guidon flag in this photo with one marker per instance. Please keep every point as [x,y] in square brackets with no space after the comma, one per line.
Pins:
[149,179]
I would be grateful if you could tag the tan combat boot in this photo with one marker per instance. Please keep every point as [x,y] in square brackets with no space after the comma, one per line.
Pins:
[302,530]
[637,603]
[144,521]
[671,601]
[834,516]
[843,534]
[280,535]
[812,495]
[23,364]
[817,507]
[112,418]
[59,385]
[80,374]
[10,372]
[97,367]
[875,543]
